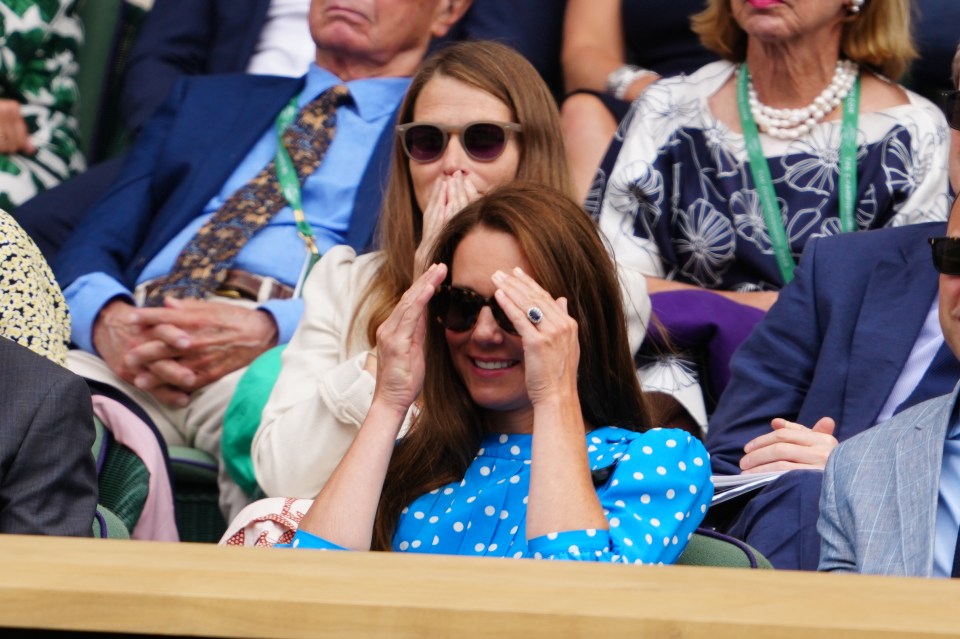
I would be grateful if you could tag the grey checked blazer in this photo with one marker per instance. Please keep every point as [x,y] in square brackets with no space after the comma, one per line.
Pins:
[48,477]
[879,502]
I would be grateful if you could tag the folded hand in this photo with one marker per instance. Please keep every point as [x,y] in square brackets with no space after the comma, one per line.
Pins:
[194,343]
[790,446]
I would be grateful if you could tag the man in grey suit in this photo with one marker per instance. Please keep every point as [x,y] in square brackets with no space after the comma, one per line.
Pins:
[890,503]
[48,478]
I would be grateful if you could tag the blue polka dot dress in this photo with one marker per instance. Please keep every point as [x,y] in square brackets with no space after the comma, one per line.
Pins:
[654,488]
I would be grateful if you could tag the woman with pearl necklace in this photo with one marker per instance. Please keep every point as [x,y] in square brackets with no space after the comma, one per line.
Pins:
[724,175]
[717,180]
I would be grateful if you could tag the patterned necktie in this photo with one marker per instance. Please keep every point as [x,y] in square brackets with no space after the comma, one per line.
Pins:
[203,263]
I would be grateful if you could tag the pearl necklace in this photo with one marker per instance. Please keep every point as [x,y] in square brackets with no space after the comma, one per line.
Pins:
[790,124]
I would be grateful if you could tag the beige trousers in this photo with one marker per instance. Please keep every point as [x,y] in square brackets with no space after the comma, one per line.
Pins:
[199,424]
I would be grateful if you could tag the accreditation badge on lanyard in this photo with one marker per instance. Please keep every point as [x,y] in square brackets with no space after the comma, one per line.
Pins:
[763,181]
[290,187]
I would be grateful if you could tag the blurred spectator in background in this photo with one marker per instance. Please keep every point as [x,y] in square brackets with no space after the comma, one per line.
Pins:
[179,38]
[936,33]
[39,143]
[612,51]
[532,27]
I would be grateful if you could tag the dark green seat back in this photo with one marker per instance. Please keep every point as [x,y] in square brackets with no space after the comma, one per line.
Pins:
[109,29]
[107,525]
[196,495]
[123,480]
[710,548]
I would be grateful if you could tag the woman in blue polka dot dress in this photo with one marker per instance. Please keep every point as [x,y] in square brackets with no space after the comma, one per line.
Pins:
[532,436]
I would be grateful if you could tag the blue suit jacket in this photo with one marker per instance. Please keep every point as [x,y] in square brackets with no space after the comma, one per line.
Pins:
[834,343]
[880,490]
[181,159]
[187,37]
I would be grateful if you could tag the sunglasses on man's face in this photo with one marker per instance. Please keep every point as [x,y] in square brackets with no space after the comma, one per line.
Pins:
[482,141]
[946,254]
[950,104]
[457,309]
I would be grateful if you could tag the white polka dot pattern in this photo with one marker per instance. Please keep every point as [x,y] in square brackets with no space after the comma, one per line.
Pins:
[656,494]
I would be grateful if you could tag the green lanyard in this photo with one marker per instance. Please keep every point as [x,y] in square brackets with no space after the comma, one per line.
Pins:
[760,170]
[290,187]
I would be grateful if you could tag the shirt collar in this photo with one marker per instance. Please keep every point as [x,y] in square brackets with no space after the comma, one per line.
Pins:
[372,97]
[953,430]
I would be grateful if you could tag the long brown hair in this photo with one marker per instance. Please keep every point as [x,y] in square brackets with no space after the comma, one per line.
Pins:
[878,37]
[563,247]
[506,75]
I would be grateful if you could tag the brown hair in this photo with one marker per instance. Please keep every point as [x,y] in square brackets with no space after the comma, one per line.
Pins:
[878,37]
[563,247]
[504,74]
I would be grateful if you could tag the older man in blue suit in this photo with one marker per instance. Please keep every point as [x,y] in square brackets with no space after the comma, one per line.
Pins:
[891,495]
[211,138]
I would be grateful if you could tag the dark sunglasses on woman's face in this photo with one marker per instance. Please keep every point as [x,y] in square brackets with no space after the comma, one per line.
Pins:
[483,141]
[946,254]
[457,309]
[950,103]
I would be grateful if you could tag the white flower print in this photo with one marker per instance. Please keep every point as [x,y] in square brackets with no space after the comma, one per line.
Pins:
[595,194]
[867,208]
[709,240]
[801,225]
[668,373]
[830,226]
[749,221]
[637,194]
[924,154]
[937,212]
[664,111]
[677,376]
[897,162]
[722,152]
[627,120]
[812,163]
[749,287]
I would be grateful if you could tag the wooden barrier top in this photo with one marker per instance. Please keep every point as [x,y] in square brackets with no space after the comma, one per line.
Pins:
[203,590]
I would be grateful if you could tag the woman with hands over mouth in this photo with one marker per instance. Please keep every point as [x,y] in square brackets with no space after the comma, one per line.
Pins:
[531,436]
[476,115]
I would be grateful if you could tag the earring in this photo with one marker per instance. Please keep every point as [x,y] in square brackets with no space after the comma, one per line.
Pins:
[854,6]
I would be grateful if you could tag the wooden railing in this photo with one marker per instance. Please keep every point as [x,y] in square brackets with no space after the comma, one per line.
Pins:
[191,589]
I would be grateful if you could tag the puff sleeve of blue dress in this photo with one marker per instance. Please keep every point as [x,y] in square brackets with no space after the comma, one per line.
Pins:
[654,488]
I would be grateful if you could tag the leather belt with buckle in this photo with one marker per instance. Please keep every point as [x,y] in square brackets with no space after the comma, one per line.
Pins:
[238,285]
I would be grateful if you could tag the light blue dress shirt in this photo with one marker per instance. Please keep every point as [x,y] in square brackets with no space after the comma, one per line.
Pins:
[948,503]
[276,250]
[921,357]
